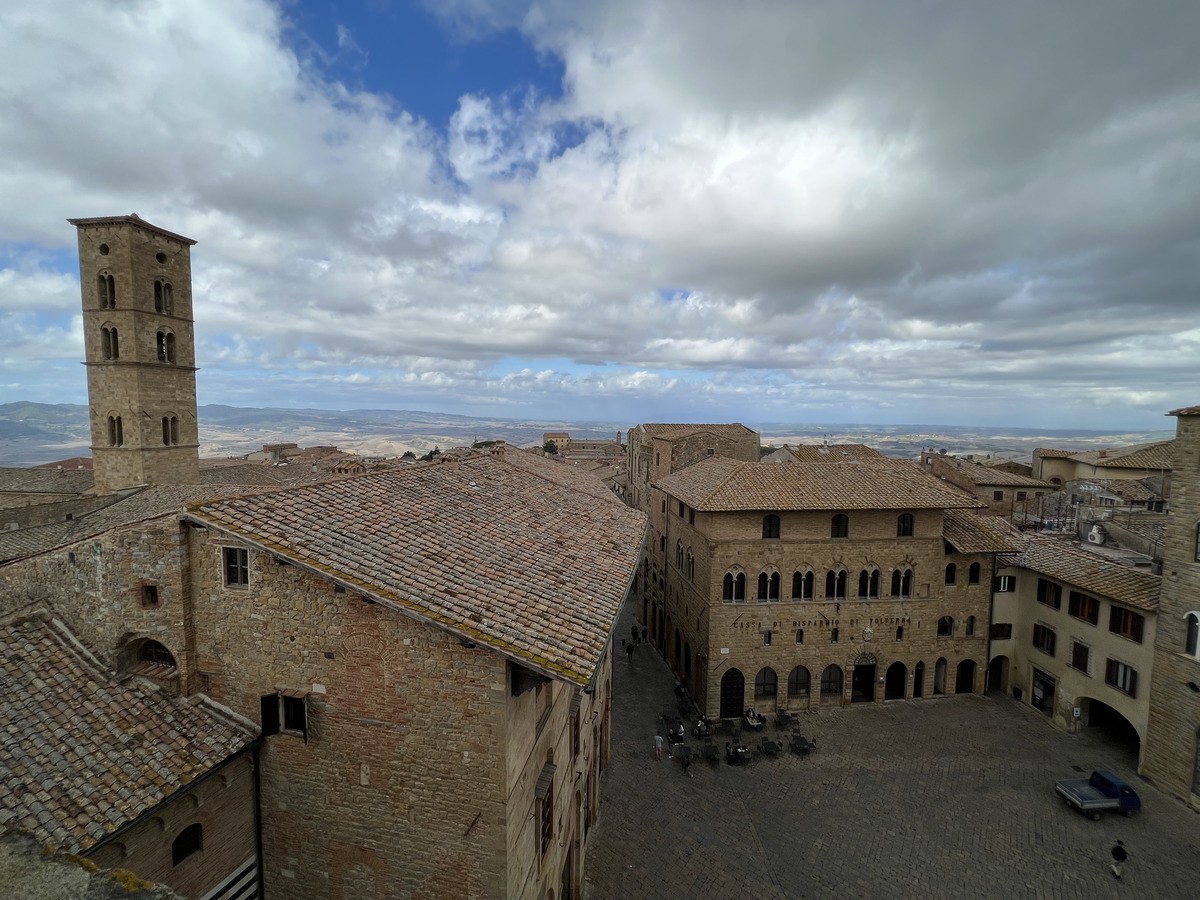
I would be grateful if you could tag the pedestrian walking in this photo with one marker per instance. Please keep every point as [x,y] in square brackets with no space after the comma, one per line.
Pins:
[644,633]
[635,640]
[658,746]
[1119,856]
[629,650]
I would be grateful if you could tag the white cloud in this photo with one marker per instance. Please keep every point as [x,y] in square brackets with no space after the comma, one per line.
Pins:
[769,206]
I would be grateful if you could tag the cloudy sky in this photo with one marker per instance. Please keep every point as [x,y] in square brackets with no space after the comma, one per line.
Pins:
[628,210]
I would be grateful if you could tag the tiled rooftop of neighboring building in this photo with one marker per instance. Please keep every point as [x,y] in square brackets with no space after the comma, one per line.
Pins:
[830,452]
[48,481]
[670,431]
[140,506]
[29,541]
[80,755]
[75,462]
[1059,559]
[717,484]
[240,473]
[1127,488]
[970,532]
[521,554]
[1154,456]
[1151,526]
[986,476]
[1185,411]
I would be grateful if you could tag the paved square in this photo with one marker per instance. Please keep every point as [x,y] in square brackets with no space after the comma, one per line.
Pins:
[939,798]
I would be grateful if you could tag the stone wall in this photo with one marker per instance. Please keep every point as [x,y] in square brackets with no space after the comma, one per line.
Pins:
[1172,754]
[135,383]
[96,586]
[724,635]
[222,804]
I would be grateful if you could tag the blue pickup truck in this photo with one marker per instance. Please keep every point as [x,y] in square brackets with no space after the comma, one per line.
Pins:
[1103,790]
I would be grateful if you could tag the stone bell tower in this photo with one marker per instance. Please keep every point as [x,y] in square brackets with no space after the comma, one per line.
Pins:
[139,352]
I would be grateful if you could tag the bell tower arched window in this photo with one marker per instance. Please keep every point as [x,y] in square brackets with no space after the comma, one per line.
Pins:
[164,301]
[108,291]
[166,347]
[116,437]
[110,346]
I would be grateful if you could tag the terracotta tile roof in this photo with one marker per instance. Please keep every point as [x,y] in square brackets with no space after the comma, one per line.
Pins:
[1094,573]
[671,431]
[75,462]
[716,484]
[831,452]
[80,755]
[1128,488]
[984,475]
[517,553]
[140,506]
[46,481]
[1156,455]
[1152,526]
[29,541]
[971,532]
[245,473]
[1185,411]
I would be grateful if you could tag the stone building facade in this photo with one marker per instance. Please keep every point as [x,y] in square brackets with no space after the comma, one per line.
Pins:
[1073,634]
[790,585]
[1017,498]
[1172,755]
[424,651]
[1136,461]
[656,450]
[139,351]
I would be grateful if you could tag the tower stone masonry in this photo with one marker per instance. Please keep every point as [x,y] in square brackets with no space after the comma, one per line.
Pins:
[139,343]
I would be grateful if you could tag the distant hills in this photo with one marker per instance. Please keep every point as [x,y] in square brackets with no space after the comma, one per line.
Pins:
[36,433]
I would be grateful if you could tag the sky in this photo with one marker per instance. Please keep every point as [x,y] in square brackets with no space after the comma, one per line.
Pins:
[966,213]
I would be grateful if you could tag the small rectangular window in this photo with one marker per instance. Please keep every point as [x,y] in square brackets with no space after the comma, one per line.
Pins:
[997,495]
[149,596]
[237,567]
[1006,584]
[1049,593]
[1001,632]
[1126,623]
[1080,655]
[295,716]
[1082,606]
[1021,495]
[1121,676]
[1044,639]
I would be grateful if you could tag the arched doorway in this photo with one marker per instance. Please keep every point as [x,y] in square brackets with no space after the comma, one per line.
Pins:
[893,685]
[862,682]
[919,680]
[939,676]
[964,681]
[831,684]
[997,677]
[733,694]
[1100,717]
